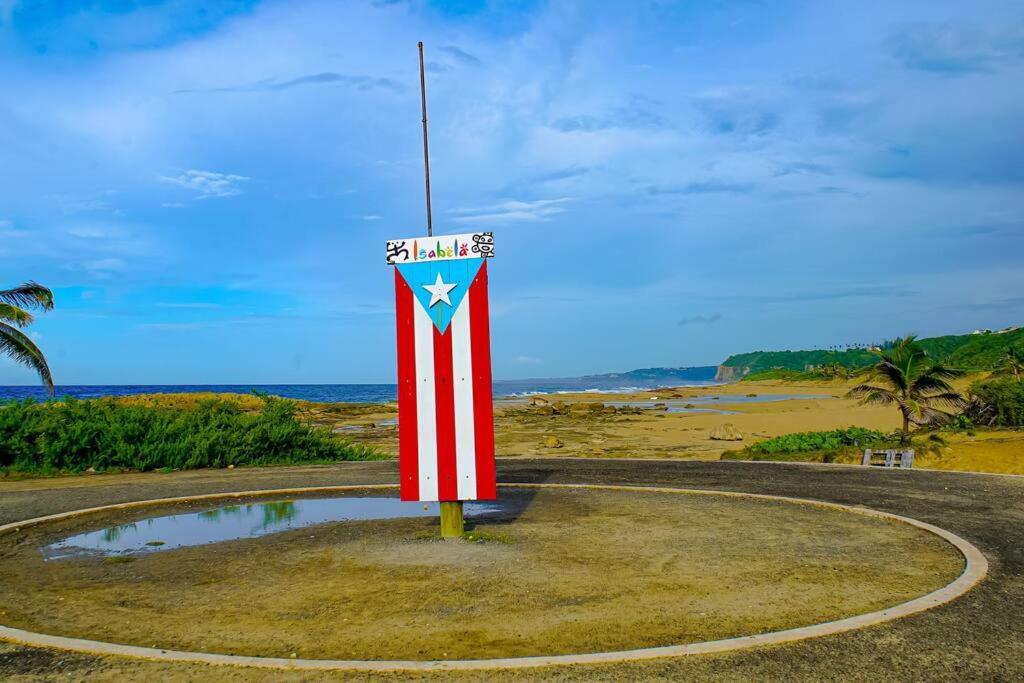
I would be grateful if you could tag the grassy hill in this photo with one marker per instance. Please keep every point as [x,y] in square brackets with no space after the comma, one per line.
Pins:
[966,351]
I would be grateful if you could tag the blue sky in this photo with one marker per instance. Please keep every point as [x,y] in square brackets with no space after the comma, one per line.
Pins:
[208,186]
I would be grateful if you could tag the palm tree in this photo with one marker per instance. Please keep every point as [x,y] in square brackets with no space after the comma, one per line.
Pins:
[1011,364]
[15,305]
[911,381]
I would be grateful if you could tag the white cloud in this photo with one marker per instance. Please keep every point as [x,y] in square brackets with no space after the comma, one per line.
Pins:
[208,183]
[371,217]
[99,269]
[8,232]
[512,211]
[526,360]
[95,231]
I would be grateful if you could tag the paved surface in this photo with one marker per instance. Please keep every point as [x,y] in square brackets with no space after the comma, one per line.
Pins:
[978,637]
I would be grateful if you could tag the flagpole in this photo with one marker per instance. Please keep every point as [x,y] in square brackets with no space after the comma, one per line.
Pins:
[452,522]
[426,150]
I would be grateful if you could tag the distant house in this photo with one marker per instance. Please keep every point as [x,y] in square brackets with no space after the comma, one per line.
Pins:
[1011,328]
[982,331]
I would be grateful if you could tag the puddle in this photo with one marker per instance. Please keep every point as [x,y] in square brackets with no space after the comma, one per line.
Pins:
[233,522]
[698,404]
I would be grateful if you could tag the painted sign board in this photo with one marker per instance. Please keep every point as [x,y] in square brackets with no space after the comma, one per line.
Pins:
[445,414]
[444,248]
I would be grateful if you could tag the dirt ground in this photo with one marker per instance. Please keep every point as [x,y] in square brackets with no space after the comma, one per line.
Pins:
[980,636]
[563,571]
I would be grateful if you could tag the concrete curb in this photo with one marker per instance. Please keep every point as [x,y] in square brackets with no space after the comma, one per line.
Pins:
[837,465]
[975,569]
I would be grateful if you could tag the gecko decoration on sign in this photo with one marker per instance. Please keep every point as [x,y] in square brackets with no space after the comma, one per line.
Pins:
[445,414]
[415,249]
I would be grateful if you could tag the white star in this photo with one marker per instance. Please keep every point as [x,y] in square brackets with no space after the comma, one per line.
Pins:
[439,291]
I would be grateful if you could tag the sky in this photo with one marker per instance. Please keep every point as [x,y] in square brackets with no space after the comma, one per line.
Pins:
[208,187]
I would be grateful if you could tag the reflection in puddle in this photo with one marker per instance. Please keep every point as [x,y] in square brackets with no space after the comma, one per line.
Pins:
[242,521]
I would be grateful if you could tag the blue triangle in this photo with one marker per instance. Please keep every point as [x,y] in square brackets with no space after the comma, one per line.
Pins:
[459,272]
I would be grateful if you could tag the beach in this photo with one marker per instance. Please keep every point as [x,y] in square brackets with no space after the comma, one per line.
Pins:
[679,423]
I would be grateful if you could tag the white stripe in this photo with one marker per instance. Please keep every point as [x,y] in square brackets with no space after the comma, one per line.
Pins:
[426,419]
[462,371]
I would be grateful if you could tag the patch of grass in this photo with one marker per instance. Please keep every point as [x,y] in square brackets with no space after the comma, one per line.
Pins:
[155,544]
[476,536]
[119,559]
[470,536]
[109,434]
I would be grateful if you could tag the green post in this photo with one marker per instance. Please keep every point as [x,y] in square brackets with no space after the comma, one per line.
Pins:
[452,524]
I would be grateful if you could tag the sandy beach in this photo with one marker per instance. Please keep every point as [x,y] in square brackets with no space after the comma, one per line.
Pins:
[678,423]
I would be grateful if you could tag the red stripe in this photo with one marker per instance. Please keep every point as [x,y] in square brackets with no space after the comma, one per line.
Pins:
[444,407]
[483,407]
[408,444]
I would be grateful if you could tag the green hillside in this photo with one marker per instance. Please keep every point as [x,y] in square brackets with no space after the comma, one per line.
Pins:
[965,351]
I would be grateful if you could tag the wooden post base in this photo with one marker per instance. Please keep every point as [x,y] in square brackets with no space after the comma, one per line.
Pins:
[452,524]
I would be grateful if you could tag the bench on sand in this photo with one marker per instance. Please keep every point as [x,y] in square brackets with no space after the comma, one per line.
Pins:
[889,458]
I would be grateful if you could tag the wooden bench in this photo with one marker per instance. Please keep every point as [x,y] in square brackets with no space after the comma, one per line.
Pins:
[889,458]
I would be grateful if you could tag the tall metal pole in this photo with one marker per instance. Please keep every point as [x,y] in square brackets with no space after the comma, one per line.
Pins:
[426,150]
[452,521]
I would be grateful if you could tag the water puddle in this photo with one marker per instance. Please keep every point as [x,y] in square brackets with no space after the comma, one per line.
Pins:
[249,520]
[700,404]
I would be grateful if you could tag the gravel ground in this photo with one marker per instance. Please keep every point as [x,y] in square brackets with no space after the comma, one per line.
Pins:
[978,637]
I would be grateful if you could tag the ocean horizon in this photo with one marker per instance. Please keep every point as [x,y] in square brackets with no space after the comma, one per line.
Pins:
[352,393]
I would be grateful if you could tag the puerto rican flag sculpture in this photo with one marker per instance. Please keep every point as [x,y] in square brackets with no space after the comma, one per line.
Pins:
[445,415]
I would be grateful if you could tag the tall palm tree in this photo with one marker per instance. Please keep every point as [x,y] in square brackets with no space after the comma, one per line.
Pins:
[1012,363]
[15,307]
[912,382]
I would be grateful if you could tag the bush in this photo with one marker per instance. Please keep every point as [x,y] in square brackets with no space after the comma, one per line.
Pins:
[835,440]
[997,402]
[75,435]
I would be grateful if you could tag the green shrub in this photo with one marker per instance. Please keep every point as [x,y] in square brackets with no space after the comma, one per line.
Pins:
[102,434]
[803,442]
[997,402]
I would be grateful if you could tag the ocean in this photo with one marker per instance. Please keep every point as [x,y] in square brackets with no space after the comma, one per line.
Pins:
[357,393]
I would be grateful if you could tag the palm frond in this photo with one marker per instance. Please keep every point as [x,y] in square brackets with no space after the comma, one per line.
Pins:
[21,349]
[872,394]
[14,315]
[928,382]
[932,416]
[945,372]
[30,295]
[949,398]
[889,371]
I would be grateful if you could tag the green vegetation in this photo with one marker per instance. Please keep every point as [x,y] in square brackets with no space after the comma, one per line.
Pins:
[997,402]
[798,361]
[804,442]
[106,434]
[814,446]
[832,371]
[964,351]
[15,307]
[1012,364]
[905,376]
